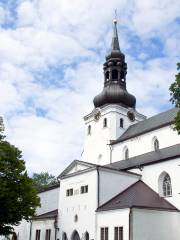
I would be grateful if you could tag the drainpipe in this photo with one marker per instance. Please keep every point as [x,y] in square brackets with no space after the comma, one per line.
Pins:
[110,148]
[30,232]
[56,227]
[98,188]
[130,224]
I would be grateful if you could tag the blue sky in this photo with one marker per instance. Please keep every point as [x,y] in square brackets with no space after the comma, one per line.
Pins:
[51,57]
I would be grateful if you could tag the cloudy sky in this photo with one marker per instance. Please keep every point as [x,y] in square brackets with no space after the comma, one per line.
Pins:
[51,56]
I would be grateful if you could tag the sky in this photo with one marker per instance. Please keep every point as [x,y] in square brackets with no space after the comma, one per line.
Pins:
[51,56]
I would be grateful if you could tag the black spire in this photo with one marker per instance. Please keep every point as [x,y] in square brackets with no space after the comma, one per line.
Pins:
[115,70]
[115,40]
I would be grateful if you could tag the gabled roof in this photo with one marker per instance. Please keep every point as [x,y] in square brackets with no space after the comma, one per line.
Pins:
[138,195]
[153,157]
[48,215]
[160,120]
[86,165]
[89,167]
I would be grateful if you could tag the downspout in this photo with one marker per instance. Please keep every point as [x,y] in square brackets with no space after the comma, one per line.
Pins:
[110,151]
[98,187]
[30,232]
[130,224]
[56,227]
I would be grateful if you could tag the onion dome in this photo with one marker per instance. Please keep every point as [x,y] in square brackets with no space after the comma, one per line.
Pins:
[115,70]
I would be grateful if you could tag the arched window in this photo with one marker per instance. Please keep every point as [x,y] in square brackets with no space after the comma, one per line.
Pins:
[105,122]
[155,144]
[64,236]
[76,218]
[125,153]
[89,130]
[86,236]
[114,74]
[165,187]
[121,122]
[107,75]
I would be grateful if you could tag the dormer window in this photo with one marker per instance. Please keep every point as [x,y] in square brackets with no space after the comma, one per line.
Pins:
[89,130]
[105,122]
[121,122]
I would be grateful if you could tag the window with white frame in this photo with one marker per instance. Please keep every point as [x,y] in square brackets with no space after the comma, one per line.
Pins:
[105,122]
[48,234]
[121,122]
[84,189]
[69,192]
[104,233]
[155,144]
[118,233]
[38,234]
[89,130]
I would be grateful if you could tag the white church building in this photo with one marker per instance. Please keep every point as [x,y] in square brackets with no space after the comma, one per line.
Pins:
[127,184]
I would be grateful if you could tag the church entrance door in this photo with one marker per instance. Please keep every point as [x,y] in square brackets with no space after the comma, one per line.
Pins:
[75,236]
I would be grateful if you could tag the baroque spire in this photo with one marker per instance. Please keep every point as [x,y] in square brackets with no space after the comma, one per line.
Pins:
[115,70]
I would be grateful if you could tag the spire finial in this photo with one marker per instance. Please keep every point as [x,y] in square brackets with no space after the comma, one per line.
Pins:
[115,40]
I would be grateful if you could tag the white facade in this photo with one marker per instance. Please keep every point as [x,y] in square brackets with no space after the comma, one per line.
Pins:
[84,205]
[155,225]
[96,146]
[144,143]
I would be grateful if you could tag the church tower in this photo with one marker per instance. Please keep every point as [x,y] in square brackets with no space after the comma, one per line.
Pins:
[115,108]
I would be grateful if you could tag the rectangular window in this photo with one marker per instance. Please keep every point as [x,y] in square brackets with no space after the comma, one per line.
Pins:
[84,189]
[118,233]
[38,234]
[69,192]
[104,233]
[48,234]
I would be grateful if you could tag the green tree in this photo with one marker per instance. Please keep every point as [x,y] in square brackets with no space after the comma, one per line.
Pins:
[18,197]
[44,180]
[175,97]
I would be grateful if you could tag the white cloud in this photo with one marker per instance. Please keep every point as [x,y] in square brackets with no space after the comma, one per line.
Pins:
[44,118]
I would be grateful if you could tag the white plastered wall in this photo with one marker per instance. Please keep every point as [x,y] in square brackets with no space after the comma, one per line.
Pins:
[43,225]
[155,225]
[49,201]
[84,205]
[112,182]
[96,148]
[111,219]
[143,144]
[151,173]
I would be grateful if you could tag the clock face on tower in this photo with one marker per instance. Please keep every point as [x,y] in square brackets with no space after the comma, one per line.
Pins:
[131,116]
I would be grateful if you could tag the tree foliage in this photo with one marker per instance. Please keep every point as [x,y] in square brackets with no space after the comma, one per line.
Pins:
[18,197]
[175,97]
[44,180]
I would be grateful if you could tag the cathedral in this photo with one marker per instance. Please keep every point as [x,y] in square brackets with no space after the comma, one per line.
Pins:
[126,186]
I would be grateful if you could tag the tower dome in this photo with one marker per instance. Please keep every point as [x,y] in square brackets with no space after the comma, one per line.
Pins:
[115,70]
